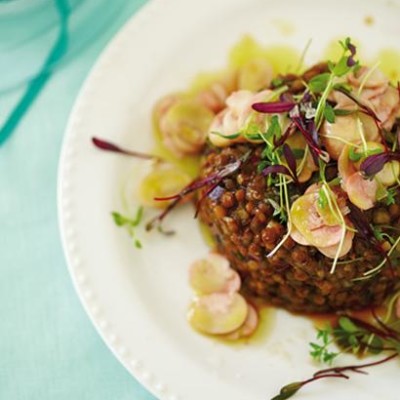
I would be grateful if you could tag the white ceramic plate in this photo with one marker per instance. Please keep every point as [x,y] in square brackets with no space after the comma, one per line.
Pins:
[138,299]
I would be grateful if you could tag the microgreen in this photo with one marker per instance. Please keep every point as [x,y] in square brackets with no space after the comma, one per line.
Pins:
[321,351]
[208,183]
[363,107]
[129,224]
[382,236]
[273,107]
[354,335]
[329,113]
[390,196]
[278,211]
[108,146]
[291,161]
[318,83]
[363,227]
[341,113]
[310,138]
[277,82]
[353,155]
[375,162]
[324,84]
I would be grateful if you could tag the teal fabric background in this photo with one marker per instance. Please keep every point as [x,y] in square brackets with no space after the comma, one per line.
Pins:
[48,347]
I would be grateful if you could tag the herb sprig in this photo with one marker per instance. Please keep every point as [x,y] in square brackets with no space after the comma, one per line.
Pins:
[130,224]
[353,335]
[323,84]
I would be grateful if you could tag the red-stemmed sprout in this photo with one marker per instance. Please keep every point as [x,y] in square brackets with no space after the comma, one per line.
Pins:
[364,107]
[288,132]
[374,163]
[353,330]
[109,146]
[351,62]
[336,372]
[273,107]
[364,229]
[309,133]
[209,183]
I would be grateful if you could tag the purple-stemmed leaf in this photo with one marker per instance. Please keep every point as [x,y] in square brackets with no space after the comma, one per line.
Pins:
[291,160]
[315,150]
[353,50]
[277,169]
[108,146]
[208,180]
[364,229]
[368,110]
[273,107]
[210,183]
[375,163]
[289,131]
[361,223]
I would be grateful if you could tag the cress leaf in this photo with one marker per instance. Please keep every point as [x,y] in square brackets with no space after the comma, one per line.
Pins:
[277,82]
[339,112]
[261,166]
[341,68]
[353,155]
[318,83]
[390,196]
[137,243]
[376,345]
[138,218]
[274,130]
[119,219]
[129,224]
[347,325]
[329,113]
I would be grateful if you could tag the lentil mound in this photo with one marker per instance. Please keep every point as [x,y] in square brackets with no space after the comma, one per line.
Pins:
[296,277]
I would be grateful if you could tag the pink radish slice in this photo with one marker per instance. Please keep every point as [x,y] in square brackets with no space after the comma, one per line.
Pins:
[212,275]
[298,237]
[309,223]
[331,251]
[218,313]
[249,326]
[361,192]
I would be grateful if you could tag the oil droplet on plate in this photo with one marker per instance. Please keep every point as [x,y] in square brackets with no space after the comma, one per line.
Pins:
[285,28]
[369,20]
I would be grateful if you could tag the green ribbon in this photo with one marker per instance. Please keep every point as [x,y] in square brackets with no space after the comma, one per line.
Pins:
[58,50]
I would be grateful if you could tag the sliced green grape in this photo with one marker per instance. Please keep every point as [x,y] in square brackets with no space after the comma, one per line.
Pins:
[184,126]
[162,181]
[348,129]
[310,224]
[389,174]
[218,313]
[248,327]
[213,274]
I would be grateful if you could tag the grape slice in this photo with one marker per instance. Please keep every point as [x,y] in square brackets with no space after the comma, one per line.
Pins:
[213,274]
[218,313]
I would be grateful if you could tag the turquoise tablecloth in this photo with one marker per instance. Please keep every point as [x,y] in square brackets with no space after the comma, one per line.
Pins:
[48,348]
